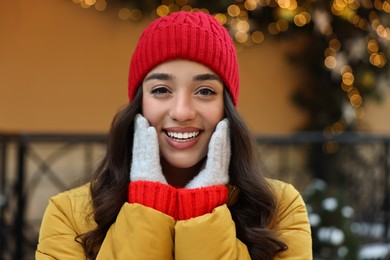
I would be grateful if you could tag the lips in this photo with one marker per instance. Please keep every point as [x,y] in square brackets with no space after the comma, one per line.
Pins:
[183,136]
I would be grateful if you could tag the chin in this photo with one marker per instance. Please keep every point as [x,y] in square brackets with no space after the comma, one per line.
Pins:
[183,164]
[185,160]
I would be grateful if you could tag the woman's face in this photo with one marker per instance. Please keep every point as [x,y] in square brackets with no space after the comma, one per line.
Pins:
[183,100]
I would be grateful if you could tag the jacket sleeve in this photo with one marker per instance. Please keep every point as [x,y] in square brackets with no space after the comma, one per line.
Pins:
[210,236]
[58,232]
[213,235]
[138,233]
[292,225]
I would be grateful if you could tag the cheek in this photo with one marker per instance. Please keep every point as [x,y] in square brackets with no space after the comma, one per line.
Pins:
[214,114]
[150,110]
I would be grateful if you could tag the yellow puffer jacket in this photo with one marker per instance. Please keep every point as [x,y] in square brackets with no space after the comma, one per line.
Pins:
[144,233]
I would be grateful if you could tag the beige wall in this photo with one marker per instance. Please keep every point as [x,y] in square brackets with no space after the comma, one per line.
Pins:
[64,69]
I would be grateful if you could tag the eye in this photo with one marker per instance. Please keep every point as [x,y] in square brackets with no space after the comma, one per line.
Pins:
[160,90]
[206,92]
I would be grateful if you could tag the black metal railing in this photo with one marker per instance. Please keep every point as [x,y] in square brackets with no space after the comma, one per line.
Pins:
[353,169]
[34,167]
[26,161]
[346,157]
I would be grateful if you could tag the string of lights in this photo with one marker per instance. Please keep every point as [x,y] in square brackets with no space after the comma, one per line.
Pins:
[354,35]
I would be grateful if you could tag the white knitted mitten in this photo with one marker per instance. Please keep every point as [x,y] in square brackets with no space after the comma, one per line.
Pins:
[146,157]
[218,159]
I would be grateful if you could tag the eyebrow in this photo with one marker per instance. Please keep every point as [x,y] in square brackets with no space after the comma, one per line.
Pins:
[207,76]
[166,76]
[160,76]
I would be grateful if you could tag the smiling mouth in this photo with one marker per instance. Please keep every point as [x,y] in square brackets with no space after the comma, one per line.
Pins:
[183,137]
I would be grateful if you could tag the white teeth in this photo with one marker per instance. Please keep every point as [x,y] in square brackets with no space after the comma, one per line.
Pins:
[183,136]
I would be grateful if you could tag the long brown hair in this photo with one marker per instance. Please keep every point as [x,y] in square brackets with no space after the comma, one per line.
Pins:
[256,204]
[252,212]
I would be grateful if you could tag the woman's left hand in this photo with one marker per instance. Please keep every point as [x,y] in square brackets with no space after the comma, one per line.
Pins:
[208,189]
[216,171]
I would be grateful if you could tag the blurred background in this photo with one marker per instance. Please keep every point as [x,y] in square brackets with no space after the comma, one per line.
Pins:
[315,89]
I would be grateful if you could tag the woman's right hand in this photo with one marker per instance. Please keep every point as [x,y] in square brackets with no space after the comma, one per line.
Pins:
[148,185]
[145,164]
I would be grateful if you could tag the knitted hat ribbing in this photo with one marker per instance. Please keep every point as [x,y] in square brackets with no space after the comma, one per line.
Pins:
[194,36]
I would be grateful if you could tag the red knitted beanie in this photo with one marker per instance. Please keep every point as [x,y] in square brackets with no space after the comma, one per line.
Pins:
[194,36]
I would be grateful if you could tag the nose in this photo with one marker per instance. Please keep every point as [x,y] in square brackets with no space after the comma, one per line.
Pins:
[182,108]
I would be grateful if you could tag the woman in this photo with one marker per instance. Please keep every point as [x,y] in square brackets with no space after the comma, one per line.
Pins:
[180,179]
